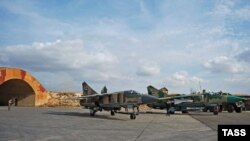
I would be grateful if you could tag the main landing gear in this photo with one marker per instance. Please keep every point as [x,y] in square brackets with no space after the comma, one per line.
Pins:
[133,114]
[112,113]
[92,112]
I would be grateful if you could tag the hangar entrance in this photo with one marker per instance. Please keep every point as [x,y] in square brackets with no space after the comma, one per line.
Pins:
[18,89]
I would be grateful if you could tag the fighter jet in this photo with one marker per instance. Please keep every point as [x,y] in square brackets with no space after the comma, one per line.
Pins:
[128,99]
[225,101]
[164,98]
[213,102]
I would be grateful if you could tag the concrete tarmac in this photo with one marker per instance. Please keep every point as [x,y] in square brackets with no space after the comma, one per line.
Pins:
[242,118]
[64,124]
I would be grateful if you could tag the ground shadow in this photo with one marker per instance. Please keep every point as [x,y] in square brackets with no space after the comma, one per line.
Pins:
[85,115]
[202,114]
[180,113]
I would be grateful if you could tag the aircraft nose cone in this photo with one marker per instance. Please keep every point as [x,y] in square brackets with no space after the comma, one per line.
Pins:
[146,99]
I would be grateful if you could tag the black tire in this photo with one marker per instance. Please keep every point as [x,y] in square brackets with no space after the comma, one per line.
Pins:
[92,113]
[238,110]
[132,116]
[220,108]
[184,112]
[112,113]
[215,112]
[230,108]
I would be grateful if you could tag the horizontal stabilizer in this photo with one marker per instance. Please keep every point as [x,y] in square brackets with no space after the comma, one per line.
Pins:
[88,96]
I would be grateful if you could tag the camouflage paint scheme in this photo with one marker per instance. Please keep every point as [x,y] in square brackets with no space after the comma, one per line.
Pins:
[226,101]
[207,101]
[113,101]
[179,100]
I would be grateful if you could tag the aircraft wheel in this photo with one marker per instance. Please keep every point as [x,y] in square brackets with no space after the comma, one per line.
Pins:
[132,116]
[220,108]
[92,112]
[112,113]
[184,112]
[238,110]
[215,112]
[230,108]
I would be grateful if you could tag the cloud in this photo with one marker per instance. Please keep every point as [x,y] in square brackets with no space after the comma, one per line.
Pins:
[182,78]
[223,8]
[105,45]
[68,58]
[148,69]
[243,14]
[229,9]
[238,79]
[222,64]
[55,56]
[238,83]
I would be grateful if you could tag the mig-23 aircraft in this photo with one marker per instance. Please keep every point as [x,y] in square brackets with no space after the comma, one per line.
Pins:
[113,101]
[213,102]
[178,102]
[225,101]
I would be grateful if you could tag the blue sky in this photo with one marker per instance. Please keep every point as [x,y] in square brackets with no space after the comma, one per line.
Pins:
[131,44]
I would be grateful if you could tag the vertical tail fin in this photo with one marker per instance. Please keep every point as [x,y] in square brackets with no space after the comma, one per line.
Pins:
[163,92]
[87,90]
[152,91]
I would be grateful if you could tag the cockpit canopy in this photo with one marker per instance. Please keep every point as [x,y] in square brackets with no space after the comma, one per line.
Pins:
[132,92]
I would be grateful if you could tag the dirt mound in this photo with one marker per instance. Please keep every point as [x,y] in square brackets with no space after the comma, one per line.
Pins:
[144,108]
[67,99]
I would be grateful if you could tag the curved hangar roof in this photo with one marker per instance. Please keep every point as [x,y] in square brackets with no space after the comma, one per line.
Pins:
[22,86]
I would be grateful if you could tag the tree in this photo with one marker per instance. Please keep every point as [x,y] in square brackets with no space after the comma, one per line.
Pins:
[104,90]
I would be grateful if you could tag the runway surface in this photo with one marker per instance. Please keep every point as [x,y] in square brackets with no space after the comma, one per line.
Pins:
[63,124]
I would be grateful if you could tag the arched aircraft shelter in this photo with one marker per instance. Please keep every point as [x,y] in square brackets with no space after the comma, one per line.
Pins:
[22,86]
